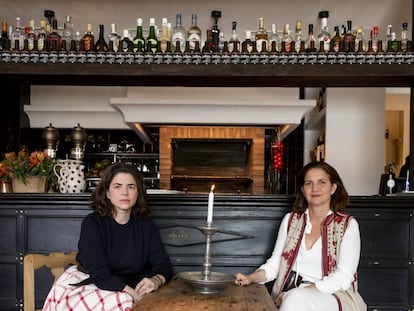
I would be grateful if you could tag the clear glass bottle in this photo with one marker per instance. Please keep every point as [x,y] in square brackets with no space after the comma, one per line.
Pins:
[193,32]
[404,36]
[67,32]
[139,37]
[114,37]
[287,39]
[178,34]
[234,42]
[324,34]
[298,35]
[41,36]
[261,35]
[17,34]
[31,36]
[275,37]
[152,39]
[164,35]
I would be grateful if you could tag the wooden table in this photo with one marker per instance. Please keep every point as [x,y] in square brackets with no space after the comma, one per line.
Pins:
[179,296]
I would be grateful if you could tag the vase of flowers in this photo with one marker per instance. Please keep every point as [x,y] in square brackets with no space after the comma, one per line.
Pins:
[27,172]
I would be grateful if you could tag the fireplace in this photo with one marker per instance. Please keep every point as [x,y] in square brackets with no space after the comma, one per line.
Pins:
[194,158]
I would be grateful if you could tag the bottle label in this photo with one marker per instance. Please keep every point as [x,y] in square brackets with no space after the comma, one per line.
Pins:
[225,58]
[129,58]
[148,58]
[390,58]
[192,39]
[409,58]
[53,57]
[293,58]
[273,58]
[215,58]
[120,58]
[167,58]
[24,57]
[40,43]
[196,58]
[350,58]
[332,58]
[100,57]
[187,58]
[34,57]
[370,58]
[72,57]
[235,58]
[399,58]
[302,58]
[81,57]
[158,59]
[361,58]
[322,58]
[177,58]
[341,58]
[380,58]
[206,58]
[283,58]
[43,57]
[5,56]
[139,58]
[63,57]
[91,57]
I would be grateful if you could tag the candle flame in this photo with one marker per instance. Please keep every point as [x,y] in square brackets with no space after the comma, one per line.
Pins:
[212,187]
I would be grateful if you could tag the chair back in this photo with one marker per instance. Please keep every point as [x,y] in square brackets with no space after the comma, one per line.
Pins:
[56,262]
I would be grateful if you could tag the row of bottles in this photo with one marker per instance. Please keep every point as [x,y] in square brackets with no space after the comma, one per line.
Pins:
[178,45]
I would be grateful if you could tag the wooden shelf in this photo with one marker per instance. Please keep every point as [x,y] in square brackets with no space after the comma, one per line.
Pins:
[347,75]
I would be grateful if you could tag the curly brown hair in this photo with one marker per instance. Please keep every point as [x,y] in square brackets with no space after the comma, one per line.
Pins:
[340,198]
[103,206]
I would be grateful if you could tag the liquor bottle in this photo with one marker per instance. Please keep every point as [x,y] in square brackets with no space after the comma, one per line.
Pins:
[337,41]
[235,52]
[101,45]
[404,37]
[322,55]
[380,54]
[193,32]
[215,56]
[360,53]
[254,55]
[41,36]
[158,55]
[114,37]
[207,49]
[31,36]
[25,53]
[409,53]
[360,38]
[349,39]
[15,51]
[34,53]
[67,33]
[261,35]
[287,38]
[63,53]
[292,55]
[273,53]
[164,35]
[310,40]
[149,53]
[139,57]
[324,35]
[221,42]
[225,55]
[275,38]
[196,54]
[375,39]
[264,54]
[110,53]
[127,48]
[4,39]
[177,57]
[215,31]
[88,39]
[283,54]
[302,55]
[388,34]
[178,34]
[72,52]
[53,38]
[298,36]
[234,42]
[370,54]
[187,54]
[17,34]
[167,55]
[152,40]
[139,37]
[399,54]
[390,51]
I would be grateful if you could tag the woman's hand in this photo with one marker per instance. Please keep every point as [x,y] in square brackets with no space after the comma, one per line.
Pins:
[279,300]
[145,286]
[242,279]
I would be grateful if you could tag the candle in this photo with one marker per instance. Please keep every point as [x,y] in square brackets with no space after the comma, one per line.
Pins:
[210,206]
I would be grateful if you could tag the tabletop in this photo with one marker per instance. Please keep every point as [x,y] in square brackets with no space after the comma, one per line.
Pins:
[179,296]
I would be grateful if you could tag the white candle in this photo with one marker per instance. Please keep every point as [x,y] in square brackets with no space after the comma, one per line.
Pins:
[210,206]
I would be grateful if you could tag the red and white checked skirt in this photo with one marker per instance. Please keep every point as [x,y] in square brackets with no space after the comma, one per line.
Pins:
[65,297]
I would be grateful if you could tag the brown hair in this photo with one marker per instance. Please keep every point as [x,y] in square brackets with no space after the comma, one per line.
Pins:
[340,198]
[103,206]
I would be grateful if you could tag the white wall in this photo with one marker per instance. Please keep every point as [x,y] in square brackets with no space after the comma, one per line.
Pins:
[355,136]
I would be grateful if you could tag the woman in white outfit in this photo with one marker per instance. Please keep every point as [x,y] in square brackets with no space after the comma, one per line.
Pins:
[315,259]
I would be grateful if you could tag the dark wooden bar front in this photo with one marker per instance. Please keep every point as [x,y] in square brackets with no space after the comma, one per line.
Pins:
[179,296]
[43,223]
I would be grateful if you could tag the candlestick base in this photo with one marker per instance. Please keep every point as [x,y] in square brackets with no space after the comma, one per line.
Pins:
[215,282]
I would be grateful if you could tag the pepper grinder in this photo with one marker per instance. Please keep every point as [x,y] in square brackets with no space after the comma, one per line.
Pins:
[50,136]
[78,137]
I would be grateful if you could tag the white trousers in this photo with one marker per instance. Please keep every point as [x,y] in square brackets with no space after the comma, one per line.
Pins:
[305,299]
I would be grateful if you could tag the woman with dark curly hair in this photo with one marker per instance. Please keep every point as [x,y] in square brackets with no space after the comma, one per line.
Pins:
[121,256]
[316,255]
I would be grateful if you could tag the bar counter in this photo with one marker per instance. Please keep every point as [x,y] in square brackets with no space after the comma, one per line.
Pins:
[248,224]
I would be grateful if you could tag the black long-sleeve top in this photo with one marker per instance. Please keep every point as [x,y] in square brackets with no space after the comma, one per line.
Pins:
[116,255]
